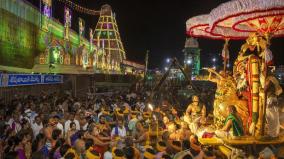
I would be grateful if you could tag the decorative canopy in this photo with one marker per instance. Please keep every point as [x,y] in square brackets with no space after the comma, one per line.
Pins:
[245,16]
[198,26]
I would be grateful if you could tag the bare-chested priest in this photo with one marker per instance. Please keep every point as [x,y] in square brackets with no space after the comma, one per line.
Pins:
[195,114]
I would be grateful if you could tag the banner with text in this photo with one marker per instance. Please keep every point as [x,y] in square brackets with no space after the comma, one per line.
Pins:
[52,79]
[29,79]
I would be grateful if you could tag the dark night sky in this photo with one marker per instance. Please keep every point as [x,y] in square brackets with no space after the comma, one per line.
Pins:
[159,26]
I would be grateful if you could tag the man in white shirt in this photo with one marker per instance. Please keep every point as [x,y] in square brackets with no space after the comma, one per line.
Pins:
[107,155]
[36,126]
[71,119]
[119,130]
[58,124]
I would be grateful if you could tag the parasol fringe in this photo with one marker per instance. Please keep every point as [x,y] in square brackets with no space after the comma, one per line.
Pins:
[236,6]
[232,13]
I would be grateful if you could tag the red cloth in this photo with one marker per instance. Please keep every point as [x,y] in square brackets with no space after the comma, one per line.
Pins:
[207,135]
[101,150]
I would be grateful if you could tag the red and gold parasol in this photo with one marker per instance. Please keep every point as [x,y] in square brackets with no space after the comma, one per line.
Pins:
[198,26]
[246,16]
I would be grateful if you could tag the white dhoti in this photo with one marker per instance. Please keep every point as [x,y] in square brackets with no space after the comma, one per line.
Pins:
[221,134]
[224,134]
[193,123]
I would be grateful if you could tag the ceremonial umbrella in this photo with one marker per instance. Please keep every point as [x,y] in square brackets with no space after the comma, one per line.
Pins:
[246,16]
[198,26]
[266,17]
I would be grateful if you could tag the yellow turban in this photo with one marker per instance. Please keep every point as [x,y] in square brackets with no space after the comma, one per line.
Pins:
[92,154]
[117,153]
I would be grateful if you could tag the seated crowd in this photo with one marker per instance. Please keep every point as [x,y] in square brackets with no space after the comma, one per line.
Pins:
[119,126]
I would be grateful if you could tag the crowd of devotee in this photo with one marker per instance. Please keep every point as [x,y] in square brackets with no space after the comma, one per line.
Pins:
[121,125]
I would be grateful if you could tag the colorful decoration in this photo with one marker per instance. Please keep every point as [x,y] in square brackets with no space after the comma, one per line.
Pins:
[56,55]
[81,27]
[67,17]
[107,37]
[198,26]
[244,16]
[237,19]
[95,59]
[47,11]
[67,22]
[46,8]
[85,57]
[91,38]
[258,16]
[262,25]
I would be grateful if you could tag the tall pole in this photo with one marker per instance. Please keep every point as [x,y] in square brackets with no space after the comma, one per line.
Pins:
[146,63]
[225,55]
[264,65]
[225,65]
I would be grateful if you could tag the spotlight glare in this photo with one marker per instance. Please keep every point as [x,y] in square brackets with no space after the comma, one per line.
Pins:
[189,61]
[150,106]
[168,60]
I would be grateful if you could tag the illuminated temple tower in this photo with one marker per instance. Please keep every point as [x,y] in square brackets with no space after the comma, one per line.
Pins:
[107,39]
[192,55]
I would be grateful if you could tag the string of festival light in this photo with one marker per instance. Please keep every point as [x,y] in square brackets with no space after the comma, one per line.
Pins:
[80,8]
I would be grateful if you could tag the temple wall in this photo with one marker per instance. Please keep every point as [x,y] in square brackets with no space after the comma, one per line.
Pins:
[17,41]
[22,39]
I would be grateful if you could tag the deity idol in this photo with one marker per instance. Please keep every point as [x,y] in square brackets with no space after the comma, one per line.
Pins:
[247,76]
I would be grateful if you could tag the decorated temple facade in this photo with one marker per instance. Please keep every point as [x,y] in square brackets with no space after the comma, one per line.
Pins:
[49,46]
[110,51]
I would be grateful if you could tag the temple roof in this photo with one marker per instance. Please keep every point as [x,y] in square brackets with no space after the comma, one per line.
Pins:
[191,42]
